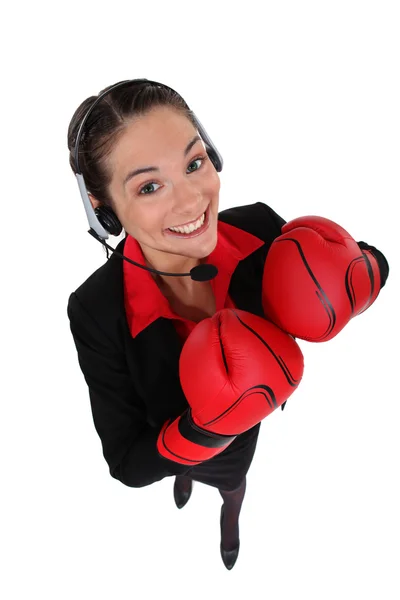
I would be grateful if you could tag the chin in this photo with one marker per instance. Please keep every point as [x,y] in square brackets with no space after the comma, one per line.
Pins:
[211,243]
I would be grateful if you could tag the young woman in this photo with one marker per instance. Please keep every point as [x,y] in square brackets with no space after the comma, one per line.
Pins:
[147,169]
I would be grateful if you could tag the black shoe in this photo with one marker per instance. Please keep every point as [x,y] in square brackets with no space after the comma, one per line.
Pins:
[229,557]
[181,497]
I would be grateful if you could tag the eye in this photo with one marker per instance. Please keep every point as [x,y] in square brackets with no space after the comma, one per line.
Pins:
[195,160]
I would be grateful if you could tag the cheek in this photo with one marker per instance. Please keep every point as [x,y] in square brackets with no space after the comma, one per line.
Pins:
[147,218]
[214,184]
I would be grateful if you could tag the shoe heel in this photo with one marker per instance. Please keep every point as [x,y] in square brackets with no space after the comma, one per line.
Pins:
[181,497]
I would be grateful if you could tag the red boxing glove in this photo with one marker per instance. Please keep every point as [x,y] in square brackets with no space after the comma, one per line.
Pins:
[235,368]
[316,278]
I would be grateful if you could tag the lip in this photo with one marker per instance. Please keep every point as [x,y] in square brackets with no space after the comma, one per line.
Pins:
[190,222]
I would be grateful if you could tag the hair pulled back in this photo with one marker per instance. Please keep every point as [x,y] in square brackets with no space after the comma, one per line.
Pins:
[107,122]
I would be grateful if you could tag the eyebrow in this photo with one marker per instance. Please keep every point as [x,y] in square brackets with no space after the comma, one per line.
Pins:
[131,174]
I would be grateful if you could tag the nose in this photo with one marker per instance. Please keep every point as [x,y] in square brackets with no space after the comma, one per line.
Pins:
[187,200]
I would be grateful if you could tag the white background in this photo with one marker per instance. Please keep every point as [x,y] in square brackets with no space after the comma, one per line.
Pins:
[302,100]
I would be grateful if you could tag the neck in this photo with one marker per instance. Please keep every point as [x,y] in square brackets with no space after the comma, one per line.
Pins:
[177,285]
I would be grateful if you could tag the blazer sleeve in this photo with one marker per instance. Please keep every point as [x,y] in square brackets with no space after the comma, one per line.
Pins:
[128,441]
[276,220]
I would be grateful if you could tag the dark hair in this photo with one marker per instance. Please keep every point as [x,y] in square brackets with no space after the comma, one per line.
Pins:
[106,123]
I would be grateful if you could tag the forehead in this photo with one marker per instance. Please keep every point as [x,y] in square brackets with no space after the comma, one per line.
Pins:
[150,137]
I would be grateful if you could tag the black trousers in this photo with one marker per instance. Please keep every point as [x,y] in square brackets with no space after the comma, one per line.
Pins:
[227,470]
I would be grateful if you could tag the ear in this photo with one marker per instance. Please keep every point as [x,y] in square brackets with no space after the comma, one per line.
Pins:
[95,203]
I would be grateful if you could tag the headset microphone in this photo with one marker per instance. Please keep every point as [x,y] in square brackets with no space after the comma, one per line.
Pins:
[103,221]
[199,273]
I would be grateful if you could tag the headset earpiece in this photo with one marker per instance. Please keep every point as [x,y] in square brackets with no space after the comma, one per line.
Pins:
[108,219]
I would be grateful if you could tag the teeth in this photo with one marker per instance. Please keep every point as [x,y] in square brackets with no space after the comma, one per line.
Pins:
[189,228]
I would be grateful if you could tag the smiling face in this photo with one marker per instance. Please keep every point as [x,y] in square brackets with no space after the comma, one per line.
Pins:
[181,185]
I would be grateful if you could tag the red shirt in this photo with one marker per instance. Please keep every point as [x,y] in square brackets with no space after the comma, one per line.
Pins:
[144,301]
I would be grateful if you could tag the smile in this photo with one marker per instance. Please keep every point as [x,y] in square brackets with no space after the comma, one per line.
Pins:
[193,228]
[188,223]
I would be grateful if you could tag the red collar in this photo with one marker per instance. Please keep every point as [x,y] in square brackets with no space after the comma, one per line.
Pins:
[144,301]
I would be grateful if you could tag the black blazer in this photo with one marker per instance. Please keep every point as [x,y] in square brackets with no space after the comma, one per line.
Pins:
[134,383]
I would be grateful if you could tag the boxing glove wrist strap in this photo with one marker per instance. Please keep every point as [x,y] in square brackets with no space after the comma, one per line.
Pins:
[196,434]
[380,259]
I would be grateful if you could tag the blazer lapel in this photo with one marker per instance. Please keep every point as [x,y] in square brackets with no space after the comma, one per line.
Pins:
[245,287]
[160,348]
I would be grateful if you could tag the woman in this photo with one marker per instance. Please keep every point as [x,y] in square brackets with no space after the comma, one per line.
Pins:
[146,168]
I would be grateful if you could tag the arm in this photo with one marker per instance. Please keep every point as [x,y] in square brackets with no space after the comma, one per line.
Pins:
[278,222]
[129,443]
[276,219]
